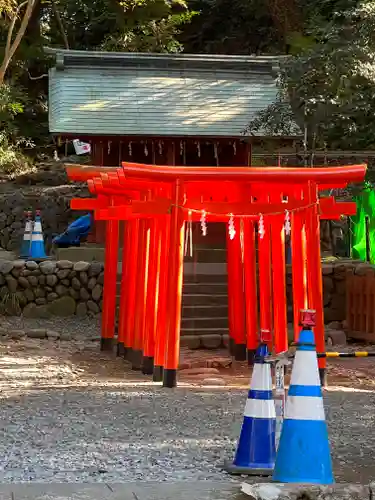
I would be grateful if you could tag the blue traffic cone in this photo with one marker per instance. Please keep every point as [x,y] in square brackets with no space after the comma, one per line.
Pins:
[25,248]
[37,242]
[303,455]
[256,450]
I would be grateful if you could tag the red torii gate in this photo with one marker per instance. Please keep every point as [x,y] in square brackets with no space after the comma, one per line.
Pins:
[156,201]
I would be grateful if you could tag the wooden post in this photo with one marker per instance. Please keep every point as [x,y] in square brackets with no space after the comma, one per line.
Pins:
[264,266]
[314,273]
[279,284]
[110,283]
[152,298]
[251,302]
[141,293]
[161,327]
[174,292]
[132,288]
[123,310]
[299,277]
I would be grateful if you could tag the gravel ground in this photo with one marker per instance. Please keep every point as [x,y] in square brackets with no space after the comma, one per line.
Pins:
[72,414]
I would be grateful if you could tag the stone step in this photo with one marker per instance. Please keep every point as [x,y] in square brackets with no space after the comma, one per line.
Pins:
[203,311]
[204,331]
[211,255]
[189,299]
[204,322]
[205,288]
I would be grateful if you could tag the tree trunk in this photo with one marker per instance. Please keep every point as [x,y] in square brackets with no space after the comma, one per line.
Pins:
[11,47]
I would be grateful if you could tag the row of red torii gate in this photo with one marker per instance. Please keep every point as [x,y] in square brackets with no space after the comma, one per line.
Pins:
[157,202]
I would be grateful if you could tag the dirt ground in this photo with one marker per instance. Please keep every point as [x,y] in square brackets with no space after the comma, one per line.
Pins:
[70,413]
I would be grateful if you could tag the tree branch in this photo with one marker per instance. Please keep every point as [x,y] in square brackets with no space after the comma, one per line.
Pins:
[60,24]
[11,29]
[45,75]
[14,46]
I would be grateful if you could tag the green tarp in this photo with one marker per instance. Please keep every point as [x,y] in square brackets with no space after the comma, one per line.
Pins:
[365,208]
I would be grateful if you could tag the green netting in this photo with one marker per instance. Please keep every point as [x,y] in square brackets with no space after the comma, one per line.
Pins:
[365,208]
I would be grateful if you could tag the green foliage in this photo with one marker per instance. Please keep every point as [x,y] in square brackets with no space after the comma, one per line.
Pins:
[330,82]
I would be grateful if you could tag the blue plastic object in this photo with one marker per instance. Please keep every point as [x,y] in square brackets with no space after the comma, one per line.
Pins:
[304,454]
[256,450]
[75,233]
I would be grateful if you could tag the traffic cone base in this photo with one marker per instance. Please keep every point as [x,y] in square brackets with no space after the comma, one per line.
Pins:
[303,454]
[306,450]
[256,451]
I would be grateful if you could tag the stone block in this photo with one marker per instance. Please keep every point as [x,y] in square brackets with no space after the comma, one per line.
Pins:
[47,267]
[64,307]
[190,341]
[64,264]
[37,333]
[274,491]
[211,341]
[81,266]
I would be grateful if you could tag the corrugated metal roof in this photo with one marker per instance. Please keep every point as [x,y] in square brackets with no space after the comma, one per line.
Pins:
[157,95]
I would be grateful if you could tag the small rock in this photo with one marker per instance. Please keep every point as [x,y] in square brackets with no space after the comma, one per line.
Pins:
[101,278]
[84,279]
[81,310]
[74,293]
[213,381]
[84,294]
[95,269]
[52,335]
[33,280]
[81,266]
[62,273]
[29,294]
[200,371]
[65,336]
[31,265]
[39,292]
[40,301]
[76,284]
[19,264]
[42,279]
[17,334]
[91,283]
[26,272]
[36,272]
[97,292]
[64,264]
[52,296]
[65,282]
[34,311]
[6,266]
[211,341]
[92,306]
[11,283]
[37,333]
[190,341]
[51,279]
[47,267]
[16,272]
[64,306]
[23,282]
[62,290]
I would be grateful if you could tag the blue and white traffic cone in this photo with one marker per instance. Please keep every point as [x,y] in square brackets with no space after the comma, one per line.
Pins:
[37,241]
[25,248]
[256,450]
[303,455]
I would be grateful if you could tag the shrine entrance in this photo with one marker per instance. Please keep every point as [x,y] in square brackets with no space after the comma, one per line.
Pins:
[259,206]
